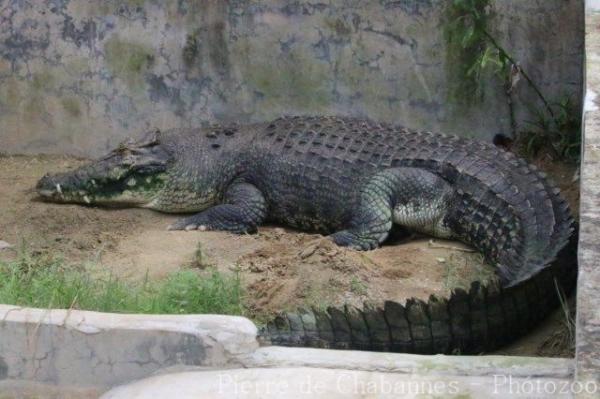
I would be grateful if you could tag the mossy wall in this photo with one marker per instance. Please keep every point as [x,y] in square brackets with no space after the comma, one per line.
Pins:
[78,76]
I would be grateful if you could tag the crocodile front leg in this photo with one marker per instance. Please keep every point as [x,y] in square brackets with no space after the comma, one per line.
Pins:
[242,210]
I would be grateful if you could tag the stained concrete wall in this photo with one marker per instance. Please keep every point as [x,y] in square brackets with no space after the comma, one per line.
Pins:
[77,76]
[90,349]
[588,295]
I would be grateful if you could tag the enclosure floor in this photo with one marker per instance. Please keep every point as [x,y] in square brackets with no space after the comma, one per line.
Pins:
[279,268]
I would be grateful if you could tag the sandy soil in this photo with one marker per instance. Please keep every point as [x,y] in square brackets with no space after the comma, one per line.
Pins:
[280,268]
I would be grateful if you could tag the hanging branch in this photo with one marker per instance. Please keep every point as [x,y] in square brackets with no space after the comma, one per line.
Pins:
[504,54]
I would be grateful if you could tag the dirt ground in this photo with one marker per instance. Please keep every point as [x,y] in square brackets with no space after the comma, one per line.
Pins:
[280,268]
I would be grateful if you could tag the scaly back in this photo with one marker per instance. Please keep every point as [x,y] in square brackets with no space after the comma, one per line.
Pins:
[508,209]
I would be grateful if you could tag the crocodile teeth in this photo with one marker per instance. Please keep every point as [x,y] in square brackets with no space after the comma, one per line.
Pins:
[58,189]
[87,199]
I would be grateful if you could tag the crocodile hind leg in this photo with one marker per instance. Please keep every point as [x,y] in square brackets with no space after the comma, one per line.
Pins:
[413,198]
[242,210]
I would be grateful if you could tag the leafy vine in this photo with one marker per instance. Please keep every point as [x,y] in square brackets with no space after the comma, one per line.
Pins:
[478,52]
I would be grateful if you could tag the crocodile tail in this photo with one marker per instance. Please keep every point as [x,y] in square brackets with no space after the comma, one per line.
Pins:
[539,218]
[523,227]
[563,221]
[506,208]
[528,221]
[481,319]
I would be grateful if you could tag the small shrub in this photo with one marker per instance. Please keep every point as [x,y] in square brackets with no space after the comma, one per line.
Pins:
[358,287]
[477,56]
[560,136]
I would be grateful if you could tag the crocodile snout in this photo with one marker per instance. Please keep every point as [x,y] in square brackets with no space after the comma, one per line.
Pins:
[48,187]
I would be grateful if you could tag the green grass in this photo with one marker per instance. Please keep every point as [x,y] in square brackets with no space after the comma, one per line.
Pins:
[42,281]
[358,287]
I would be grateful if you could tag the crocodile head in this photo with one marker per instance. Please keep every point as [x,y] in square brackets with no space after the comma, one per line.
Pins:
[131,175]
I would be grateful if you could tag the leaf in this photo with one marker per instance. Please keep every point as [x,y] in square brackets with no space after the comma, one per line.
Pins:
[467,38]
[489,56]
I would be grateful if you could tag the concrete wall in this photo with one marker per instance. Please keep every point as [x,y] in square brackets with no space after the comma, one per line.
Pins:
[588,295]
[90,349]
[77,76]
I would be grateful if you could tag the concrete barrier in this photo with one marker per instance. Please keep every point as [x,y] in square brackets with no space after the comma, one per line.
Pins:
[91,349]
[296,383]
[80,354]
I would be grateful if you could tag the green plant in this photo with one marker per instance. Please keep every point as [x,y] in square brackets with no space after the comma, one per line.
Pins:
[358,287]
[477,53]
[469,47]
[188,292]
[468,27]
[200,260]
[46,282]
[561,342]
[568,321]
[560,135]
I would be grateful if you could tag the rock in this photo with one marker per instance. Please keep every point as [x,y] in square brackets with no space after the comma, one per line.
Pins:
[5,245]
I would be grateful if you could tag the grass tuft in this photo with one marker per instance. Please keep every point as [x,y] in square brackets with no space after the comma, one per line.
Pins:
[560,136]
[46,282]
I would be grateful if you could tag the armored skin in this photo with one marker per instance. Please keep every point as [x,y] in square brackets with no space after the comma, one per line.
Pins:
[353,180]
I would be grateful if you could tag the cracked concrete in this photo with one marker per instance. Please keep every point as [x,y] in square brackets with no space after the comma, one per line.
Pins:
[78,76]
[90,349]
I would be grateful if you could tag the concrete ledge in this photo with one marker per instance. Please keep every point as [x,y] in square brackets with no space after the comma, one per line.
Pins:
[437,365]
[324,383]
[11,389]
[100,349]
[588,294]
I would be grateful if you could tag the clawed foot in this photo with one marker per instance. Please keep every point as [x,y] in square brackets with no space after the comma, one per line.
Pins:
[346,238]
[200,223]
[188,224]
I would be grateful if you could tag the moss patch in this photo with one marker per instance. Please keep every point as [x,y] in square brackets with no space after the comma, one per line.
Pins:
[42,81]
[10,95]
[190,50]
[338,26]
[128,61]
[71,106]
[297,81]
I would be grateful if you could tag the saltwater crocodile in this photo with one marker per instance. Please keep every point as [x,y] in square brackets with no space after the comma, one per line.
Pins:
[354,179]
